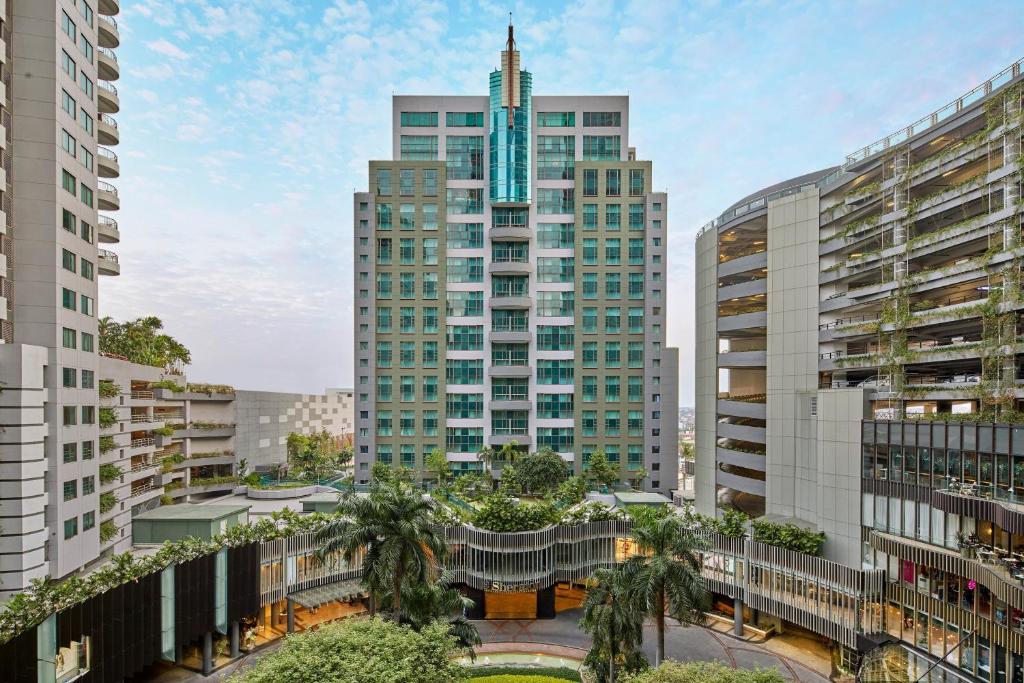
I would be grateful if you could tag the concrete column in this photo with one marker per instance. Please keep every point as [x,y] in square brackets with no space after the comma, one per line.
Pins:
[737,617]
[234,639]
[291,616]
[207,653]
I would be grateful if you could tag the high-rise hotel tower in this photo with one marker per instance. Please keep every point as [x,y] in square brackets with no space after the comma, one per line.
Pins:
[510,267]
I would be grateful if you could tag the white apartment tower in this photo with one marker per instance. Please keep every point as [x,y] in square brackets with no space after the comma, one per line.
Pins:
[57,63]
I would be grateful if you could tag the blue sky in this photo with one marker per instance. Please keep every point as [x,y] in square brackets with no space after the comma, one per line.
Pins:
[247,124]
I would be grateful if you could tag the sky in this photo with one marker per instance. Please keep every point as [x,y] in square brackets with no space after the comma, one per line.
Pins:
[246,125]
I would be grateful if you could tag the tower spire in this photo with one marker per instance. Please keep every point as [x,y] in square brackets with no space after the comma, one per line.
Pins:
[510,75]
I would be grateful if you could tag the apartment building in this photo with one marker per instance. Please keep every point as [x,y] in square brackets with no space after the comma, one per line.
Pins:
[510,273]
[57,98]
[859,371]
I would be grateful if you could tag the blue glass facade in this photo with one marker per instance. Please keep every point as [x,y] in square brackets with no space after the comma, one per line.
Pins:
[510,147]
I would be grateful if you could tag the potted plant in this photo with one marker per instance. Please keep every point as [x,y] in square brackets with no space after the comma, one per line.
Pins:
[964,545]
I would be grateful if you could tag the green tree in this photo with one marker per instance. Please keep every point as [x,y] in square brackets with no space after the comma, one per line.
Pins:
[141,342]
[372,651]
[613,617]
[438,601]
[667,572]
[541,472]
[703,672]
[394,527]
[345,456]
[437,465]
[600,470]
[486,456]
[571,491]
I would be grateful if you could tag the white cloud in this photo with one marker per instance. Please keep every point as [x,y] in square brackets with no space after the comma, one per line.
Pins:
[167,48]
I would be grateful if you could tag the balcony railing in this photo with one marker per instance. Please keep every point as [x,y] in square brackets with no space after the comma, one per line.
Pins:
[137,419]
[107,17]
[108,86]
[106,51]
[108,255]
[999,494]
[108,119]
[139,443]
[142,393]
[108,222]
[106,153]
[106,187]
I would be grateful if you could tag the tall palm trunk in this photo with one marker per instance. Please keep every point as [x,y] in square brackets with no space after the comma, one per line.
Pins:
[373,604]
[396,601]
[611,653]
[659,618]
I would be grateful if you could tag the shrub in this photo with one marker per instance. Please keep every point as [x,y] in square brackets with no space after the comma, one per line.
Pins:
[166,500]
[571,491]
[647,515]
[372,651]
[562,673]
[502,513]
[702,672]
[592,512]
[109,472]
[541,472]
[106,443]
[163,431]
[108,389]
[788,536]
[107,531]
[169,384]
[107,502]
[209,389]
[108,416]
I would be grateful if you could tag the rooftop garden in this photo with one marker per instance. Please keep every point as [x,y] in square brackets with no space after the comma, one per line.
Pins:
[140,341]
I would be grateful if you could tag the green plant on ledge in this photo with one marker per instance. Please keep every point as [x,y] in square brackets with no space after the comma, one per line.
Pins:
[210,481]
[168,384]
[174,485]
[163,431]
[788,536]
[107,531]
[107,444]
[107,502]
[166,500]
[109,472]
[108,416]
[209,389]
[169,461]
[108,389]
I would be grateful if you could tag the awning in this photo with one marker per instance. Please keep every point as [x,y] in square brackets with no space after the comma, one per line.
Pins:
[340,591]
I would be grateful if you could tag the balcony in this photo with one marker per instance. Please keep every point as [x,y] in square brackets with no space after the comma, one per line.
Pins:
[509,267]
[510,336]
[106,64]
[510,233]
[106,31]
[107,165]
[107,100]
[106,231]
[106,197]
[106,130]
[510,302]
[502,439]
[107,263]
[108,7]
[510,371]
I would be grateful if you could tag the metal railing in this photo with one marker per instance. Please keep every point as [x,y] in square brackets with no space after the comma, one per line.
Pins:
[956,106]
[753,204]
[109,19]
[139,419]
[107,255]
[840,322]
[108,86]
[142,393]
[107,52]
[109,120]
[139,443]
[999,494]
[107,222]
[106,153]
[106,187]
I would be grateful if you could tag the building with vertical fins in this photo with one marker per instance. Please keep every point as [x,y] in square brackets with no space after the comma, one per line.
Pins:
[860,372]
[510,272]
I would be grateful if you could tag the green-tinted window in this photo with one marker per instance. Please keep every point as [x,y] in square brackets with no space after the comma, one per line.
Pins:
[589,251]
[601,148]
[69,261]
[418,147]
[612,285]
[429,222]
[384,387]
[612,423]
[590,182]
[555,337]
[465,235]
[464,439]
[383,181]
[70,528]
[510,388]
[86,269]
[612,354]
[429,285]
[589,285]
[635,422]
[636,285]
[465,269]
[636,389]
[384,220]
[554,371]
[384,423]
[430,320]
[556,119]
[505,355]
[465,304]
[384,453]
[407,354]
[556,156]
[465,200]
[612,320]
[461,371]
[555,200]
[408,450]
[407,285]
[383,319]
[87,342]
[424,119]
[559,439]
[69,299]
[430,389]
[636,251]
[594,119]
[590,354]
[464,119]
[429,182]
[636,320]
[407,388]
[69,338]
[588,421]
[612,388]
[555,269]
[430,354]
[430,251]
[68,182]
[554,406]
[383,285]
[634,455]
[465,337]
[464,157]
[510,252]
[70,377]
[555,304]
[384,251]
[636,216]
[612,451]
[589,320]
[613,251]
[464,406]
[407,216]
[510,285]
[555,235]
[68,221]
[589,389]
[636,182]
[612,182]
[70,490]
[509,321]
[510,422]
[407,182]
[613,217]
[429,423]
[590,217]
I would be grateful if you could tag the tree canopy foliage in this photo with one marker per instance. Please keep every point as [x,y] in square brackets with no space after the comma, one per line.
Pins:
[703,672]
[140,341]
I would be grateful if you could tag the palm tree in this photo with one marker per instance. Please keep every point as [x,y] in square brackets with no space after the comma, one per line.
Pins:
[613,616]
[667,572]
[425,603]
[486,456]
[393,526]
